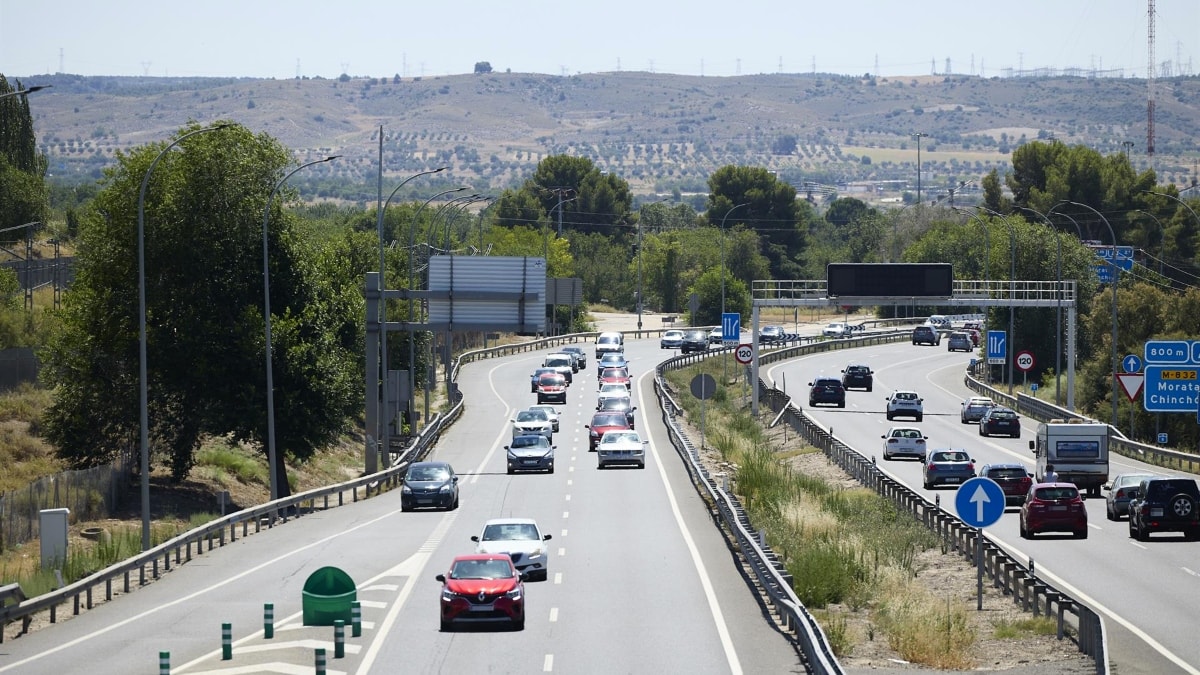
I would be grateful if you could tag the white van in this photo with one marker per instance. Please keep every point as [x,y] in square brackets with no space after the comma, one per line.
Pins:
[609,341]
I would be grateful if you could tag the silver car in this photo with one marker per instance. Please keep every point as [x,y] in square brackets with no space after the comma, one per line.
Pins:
[551,412]
[532,422]
[1120,490]
[947,467]
[621,447]
[530,452]
[521,539]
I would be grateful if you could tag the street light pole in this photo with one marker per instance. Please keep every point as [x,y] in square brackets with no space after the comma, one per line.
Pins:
[412,346]
[271,466]
[919,136]
[143,398]
[1161,236]
[1116,278]
[639,298]
[724,271]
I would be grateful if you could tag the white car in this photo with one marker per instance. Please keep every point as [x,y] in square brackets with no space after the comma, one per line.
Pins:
[716,336]
[612,389]
[520,539]
[621,447]
[671,339]
[837,330]
[532,421]
[905,404]
[552,413]
[904,442]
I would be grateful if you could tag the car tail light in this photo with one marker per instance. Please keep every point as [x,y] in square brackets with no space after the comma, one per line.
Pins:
[920,442]
[971,466]
[1121,493]
[932,466]
[892,440]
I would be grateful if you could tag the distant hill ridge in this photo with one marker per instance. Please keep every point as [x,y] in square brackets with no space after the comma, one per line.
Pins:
[660,132]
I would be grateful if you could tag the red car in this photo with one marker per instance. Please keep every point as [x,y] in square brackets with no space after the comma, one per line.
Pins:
[605,421]
[483,588]
[552,388]
[1053,507]
[620,375]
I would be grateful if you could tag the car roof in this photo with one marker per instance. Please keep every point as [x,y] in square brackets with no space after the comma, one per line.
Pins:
[826,379]
[1004,465]
[437,464]
[510,521]
[482,556]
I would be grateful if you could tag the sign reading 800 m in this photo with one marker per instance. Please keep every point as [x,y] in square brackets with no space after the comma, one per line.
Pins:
[1172,376]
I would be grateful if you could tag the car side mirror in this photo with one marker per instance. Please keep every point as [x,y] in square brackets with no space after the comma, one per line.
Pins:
[441,578]
[454,479]
[524,576]
[506,447]
[475,538]
[633,408]
[545,537]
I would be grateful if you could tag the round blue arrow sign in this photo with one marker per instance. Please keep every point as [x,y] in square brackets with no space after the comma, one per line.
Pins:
[980,502]
[1131,363]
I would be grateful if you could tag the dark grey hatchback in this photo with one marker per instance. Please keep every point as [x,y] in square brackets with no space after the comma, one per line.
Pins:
[429,484]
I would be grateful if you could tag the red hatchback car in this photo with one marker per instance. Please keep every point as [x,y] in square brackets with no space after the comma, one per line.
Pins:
[1053,507]
[603,422]
[552,388]
[611,375]
[482,588]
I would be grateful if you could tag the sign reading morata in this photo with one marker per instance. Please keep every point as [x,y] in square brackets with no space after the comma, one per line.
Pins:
[897,280]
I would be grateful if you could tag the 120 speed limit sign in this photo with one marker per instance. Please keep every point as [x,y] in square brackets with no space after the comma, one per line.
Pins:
[744,353]
[1024,361]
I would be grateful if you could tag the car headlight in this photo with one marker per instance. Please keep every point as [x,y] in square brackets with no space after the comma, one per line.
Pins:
[536,554]
[405,489]
[446,489]
[514,594]
[594,434]
[512,456]
[448,595]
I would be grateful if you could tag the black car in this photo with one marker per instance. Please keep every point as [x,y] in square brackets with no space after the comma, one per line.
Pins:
[1014,479]
[694,341]
[429,484]
[579,354]
[621,404]
[827,390]
[1000,420]
[858,376]
[927,335]
[1165,505]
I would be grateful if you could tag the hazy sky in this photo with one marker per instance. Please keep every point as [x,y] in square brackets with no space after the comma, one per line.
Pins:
[382,38]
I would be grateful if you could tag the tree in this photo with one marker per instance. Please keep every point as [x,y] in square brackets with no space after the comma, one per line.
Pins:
[482,67]
[23,190]
[772,212]
[205,329]
[591,200]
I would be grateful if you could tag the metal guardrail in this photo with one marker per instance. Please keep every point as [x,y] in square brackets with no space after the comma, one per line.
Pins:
[776,583]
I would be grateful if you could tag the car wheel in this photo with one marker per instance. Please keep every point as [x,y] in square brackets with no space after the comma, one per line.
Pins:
[446,626]
[1024,531]
[454,504]
[1081,534]
[928,485]
[1132,528]
[1108,513]
[886,456]
[889,416]
[519,624]
[551,469]
[406,507]
[642,465]
[510,471]
[1017,435]
[1140,533]
[841,404]
[1182,506]
[868,387]
[981,431]
[919,418]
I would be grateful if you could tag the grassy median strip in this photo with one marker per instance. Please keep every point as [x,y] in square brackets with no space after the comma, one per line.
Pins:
[848,550]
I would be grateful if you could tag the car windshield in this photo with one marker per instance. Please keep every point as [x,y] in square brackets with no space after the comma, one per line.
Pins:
[558,362]
[510,532]
[614,372]
[609,421]
[606,341]
[427,473]
[552,380]
[1051,493]
[620,437]
[530,441]
[1129,479]
[481,569]
[532,416]
[950,457]
[697,335]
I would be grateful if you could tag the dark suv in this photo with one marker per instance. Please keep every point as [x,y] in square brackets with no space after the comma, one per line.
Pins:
[1165,505]
[694,341]
[1014,479]
[927,335]
[827,390]
[857,375]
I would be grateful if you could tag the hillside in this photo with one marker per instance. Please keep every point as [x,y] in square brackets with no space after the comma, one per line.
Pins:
[660,132]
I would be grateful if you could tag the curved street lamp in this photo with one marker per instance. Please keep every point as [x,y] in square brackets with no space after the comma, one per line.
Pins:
[271,467]
[1116,278]
[143,414]
[25,92]
[412,348]
[453,216]
[1162,232]
[724,271]
[1177,199]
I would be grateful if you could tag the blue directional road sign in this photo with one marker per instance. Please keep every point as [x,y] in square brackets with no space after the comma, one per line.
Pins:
[731,326]
[980,502]
[1131,363]
[997,346]
[1124,257]
[1171,388]
[1163,352]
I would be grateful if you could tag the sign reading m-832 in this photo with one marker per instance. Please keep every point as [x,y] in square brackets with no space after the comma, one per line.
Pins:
[1171,388]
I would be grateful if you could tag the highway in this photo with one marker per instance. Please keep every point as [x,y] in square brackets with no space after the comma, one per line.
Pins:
[639,578]
[1148,593]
